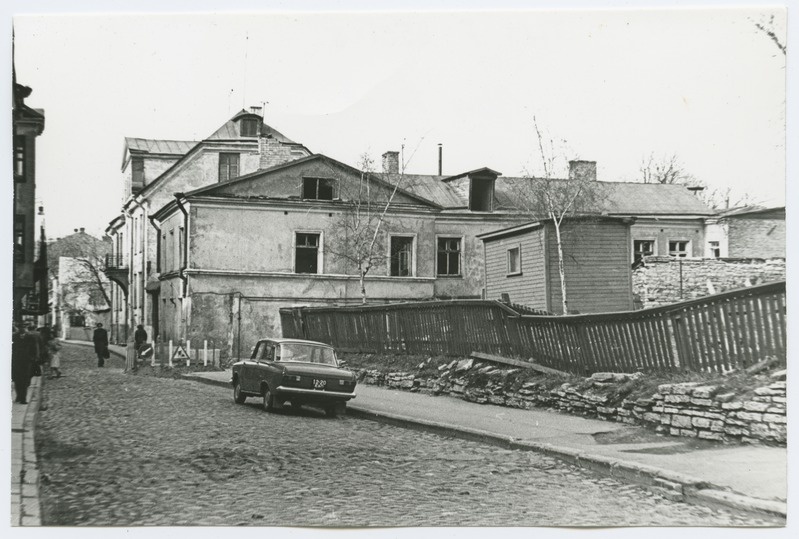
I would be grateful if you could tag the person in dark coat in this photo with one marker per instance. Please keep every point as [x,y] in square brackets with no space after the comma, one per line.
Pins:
[100,339]
[23,359]
[139,337]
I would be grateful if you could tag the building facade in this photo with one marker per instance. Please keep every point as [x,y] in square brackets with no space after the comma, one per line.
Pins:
[153,171]
[29,276]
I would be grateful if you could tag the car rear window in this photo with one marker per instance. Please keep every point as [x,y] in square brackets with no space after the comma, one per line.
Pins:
[307,353]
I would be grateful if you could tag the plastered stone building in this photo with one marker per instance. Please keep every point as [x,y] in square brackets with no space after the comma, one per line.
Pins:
[153,171]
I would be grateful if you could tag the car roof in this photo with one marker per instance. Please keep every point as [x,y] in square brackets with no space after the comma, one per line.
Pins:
[283,340]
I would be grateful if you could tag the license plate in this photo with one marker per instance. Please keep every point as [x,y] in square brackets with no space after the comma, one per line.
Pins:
[319,384]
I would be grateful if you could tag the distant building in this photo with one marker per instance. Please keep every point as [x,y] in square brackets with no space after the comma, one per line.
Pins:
[29,278]
[747,232]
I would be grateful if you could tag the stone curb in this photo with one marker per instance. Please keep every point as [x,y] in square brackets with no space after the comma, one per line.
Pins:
[25,504]
[673,485]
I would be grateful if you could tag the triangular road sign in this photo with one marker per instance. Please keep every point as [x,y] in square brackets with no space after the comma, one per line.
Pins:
[180,353]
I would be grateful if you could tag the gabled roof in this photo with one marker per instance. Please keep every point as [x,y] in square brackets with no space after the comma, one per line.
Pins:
[230,130]
[475,172]
[615,198]
[217,188]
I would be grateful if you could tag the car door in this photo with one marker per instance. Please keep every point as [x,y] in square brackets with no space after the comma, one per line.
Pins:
[266,366]
[249,372]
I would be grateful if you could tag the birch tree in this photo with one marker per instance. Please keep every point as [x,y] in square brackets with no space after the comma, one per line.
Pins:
[360,238]
[546,198]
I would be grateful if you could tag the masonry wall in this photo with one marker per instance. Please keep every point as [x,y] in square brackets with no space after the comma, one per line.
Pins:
[665,280]
[756,237]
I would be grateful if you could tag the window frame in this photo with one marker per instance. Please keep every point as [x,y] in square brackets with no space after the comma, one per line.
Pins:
[654,247]
[518,248]
[714,247]
[390,255]
[446,237]
[20,221]
[687,252]
[19,157]
[319,251]
[226,166]
[318,180]
[253,122]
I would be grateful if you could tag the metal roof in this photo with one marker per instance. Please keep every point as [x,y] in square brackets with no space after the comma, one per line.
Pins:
[164,147]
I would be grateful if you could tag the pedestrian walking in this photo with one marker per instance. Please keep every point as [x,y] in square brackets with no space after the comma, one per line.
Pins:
[23,362]
[100,339]
[55,358]
[139,338]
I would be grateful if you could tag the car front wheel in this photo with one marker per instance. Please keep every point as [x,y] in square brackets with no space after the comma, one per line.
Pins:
[238,396]
[269,399]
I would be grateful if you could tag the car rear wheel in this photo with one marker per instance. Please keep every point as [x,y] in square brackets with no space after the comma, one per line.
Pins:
[238,396]
[333,410]
[269,399]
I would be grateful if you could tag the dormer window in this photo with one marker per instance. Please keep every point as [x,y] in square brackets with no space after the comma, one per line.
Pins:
[318,188]
[249,127]
[481,194]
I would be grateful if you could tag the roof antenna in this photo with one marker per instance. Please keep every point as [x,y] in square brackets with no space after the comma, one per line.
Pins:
[246,47]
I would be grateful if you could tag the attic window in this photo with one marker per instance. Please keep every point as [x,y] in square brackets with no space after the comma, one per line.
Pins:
[249,127]
[481,194]
[318,188]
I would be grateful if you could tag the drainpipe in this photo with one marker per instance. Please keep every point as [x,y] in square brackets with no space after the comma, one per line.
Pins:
[157,227]
[185,254]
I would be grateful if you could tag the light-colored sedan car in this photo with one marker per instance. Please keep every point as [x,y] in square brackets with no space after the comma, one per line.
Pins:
[294,371]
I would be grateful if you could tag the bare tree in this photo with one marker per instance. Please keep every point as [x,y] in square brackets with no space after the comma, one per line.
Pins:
[667,169]
[768,27]
[544,197]
[89,252]
[359,233]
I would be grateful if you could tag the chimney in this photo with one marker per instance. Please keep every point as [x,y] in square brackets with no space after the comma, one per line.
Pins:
[440,157]
[76,231]
[582,170]
[257,110]
[82,229]
[391,163]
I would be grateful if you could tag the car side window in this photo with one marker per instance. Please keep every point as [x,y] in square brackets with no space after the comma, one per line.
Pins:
[270,352]
[256,352]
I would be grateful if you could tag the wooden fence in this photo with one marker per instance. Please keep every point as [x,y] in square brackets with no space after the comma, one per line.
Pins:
[717,333]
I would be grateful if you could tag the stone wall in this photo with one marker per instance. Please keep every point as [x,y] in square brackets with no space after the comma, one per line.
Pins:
[683,409]
[658,282]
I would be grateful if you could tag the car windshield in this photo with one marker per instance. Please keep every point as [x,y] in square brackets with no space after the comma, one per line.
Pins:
[307,353]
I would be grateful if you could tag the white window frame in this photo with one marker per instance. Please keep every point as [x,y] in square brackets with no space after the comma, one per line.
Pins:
[413,255]
[508,249]
[688,247]
[654,246]
[460,258]
[320,252]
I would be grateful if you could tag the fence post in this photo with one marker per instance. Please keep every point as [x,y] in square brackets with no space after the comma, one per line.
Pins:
[205,353]
[170,353]
[188,352]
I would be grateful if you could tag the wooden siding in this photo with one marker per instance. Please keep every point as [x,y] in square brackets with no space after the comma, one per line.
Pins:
[596,262]
[529,288]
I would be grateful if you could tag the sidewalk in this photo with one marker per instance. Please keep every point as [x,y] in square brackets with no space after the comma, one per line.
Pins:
[25,505]
[742,477]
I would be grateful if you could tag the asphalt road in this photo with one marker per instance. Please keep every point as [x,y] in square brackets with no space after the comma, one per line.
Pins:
[124,450]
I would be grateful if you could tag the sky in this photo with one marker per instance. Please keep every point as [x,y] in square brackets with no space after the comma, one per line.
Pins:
[615,85]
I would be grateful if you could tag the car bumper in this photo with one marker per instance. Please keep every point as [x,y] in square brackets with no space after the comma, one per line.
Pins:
[315,393]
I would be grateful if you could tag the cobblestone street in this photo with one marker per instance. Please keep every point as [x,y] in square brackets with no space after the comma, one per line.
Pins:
[122,450]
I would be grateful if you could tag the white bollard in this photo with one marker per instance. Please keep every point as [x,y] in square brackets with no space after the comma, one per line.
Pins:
[155,351]
[205,353]
[188,352]
[170,353]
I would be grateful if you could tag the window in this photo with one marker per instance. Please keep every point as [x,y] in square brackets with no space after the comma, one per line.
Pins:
[715,249]
[19,158]
[181,240]
[137,168]
[19,238]
[515,260]
[642,248]
[228,166]
[77,320]
[306,253]
[679,248]
[249,127]
[481,195]
[449,256]
[318,188]
[401,256]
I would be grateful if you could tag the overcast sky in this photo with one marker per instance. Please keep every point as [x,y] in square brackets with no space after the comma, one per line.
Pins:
[617,85]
